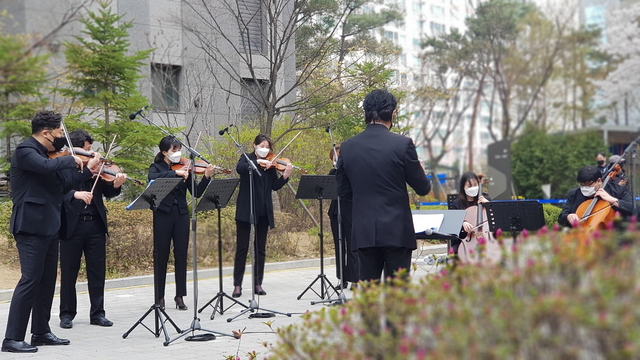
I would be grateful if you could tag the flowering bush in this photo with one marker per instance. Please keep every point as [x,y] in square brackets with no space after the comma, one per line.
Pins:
[554,296]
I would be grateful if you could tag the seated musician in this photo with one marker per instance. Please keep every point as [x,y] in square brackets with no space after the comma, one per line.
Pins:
[469,194]
[590,180]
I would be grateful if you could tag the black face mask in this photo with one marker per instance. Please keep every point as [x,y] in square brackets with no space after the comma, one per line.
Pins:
[600,162]
[58,143]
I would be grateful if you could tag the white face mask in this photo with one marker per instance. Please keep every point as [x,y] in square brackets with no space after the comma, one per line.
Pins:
[472,191]
[175,157]
[588,191]
[262,152]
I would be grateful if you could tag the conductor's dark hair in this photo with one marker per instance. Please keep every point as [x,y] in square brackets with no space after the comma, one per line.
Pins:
[331,152]
[166,143]
[262,137]
[45,120]
[601,154]
[78,137]
[379,105]
[462,196]
[589,173]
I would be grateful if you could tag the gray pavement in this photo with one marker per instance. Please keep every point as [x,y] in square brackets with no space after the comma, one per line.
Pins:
[126,300]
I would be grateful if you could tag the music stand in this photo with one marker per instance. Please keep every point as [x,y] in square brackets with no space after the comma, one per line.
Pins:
[155,192]
[448,230]
[318,187]
[514,216]
[217,196]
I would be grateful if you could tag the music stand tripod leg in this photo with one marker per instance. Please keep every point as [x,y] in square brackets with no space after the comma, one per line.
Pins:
[219,306]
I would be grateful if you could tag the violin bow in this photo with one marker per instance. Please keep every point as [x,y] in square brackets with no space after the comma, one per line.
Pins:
[69,145]
[289,143]
[106,156]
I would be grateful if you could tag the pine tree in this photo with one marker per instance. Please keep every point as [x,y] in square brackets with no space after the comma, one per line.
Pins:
[104,79]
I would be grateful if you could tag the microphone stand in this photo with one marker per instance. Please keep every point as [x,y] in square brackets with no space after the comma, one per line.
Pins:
[195,323]
[253,305]
[341,246]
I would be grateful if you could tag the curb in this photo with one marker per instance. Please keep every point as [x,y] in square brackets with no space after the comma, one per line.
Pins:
[204,274]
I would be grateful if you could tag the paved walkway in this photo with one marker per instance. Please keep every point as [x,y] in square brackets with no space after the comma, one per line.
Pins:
[126,304]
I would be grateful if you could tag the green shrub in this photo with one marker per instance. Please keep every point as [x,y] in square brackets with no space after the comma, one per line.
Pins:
[551,299]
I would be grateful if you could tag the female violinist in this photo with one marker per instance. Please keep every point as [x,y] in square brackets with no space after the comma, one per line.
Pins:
[617,197]
[171,218]
[263,209]
[469,194]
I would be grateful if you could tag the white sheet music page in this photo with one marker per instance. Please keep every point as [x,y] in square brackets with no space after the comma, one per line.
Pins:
[422,222]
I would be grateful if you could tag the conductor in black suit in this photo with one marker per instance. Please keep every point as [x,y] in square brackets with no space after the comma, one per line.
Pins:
[84,231]
[374,169]
[37,189]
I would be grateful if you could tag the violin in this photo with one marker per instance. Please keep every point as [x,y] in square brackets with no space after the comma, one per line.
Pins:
[109,170]
[280,163]
[200,166]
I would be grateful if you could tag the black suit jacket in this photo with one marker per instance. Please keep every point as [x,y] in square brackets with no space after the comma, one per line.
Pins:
[263,185]
[374,169]
[179,193]
[575,198]
[73,207]
[37,187]
[346,206]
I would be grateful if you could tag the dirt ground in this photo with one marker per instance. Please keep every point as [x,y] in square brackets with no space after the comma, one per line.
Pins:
[10,276]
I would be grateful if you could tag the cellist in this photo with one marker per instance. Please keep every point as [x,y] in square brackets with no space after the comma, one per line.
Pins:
[590,180]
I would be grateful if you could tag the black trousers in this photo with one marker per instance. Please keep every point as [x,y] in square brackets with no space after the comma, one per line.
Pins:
[88,238]
[167,227]
[243,232]
[374,260]
[34,292]
[350,262]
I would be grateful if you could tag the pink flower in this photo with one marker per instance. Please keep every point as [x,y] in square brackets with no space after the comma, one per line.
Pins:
[498,232]
[543,230]
[482,241]
[343,311]
[634,219]
[530,262]
[451,251]
[347,329]
[574,224]
[443,272]
[556,227]
[421,354]
[525,233]
[446,286]
[596,234]
[609,225]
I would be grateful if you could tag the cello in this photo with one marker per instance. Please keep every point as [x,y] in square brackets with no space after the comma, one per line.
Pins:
[597,213]
[470,250]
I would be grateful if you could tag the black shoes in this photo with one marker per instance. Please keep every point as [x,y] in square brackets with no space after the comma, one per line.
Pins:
[47,339]
[9,345]
[101,321]
[237,291]
[260,290]
[180,303]
[66,323]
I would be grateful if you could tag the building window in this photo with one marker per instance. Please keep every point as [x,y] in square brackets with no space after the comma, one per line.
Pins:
[392,36]
[165,82]
[436,29]
[251,29]
[252,106]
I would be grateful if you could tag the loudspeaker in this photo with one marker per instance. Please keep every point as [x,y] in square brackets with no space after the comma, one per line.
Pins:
[500,180]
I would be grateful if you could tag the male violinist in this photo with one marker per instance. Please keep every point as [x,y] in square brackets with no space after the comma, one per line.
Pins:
[590,180]
[84,231]
[373,170]
[37,187]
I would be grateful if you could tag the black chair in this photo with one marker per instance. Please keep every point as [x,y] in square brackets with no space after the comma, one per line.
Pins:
[450,199]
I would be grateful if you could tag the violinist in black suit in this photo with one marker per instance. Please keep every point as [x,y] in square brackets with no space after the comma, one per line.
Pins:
[262,210]
[350,263]
[374,169]
[38,185]
[171,218]
[84,231]
[590,180]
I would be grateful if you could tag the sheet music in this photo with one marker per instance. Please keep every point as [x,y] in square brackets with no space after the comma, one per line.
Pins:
[422,222]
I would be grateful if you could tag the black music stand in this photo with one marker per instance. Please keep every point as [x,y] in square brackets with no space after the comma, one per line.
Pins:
[155,192]
[448,230]
[319,187]
[514,216]
[217,196]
